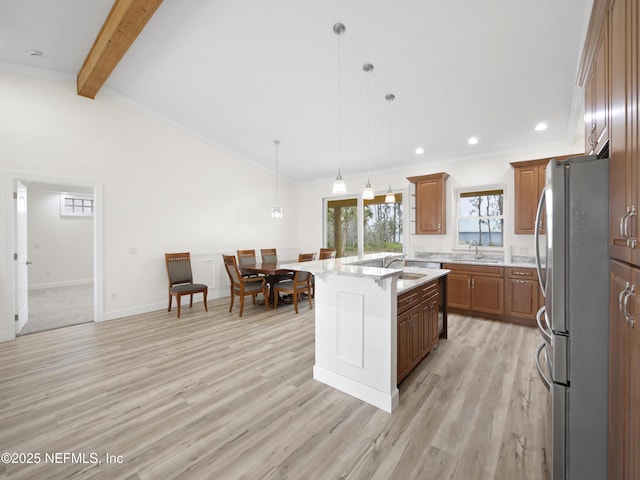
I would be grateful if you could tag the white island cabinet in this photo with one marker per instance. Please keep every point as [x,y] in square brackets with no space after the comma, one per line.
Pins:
[356,323]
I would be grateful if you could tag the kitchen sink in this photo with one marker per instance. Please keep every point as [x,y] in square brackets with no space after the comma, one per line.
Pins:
[410,276]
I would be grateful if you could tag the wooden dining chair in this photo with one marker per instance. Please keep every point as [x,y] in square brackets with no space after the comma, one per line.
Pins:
[306,257]
[300,283]
[326,253]
[243,286]
[247,257]
[181,279]
[309,257]
[269,255]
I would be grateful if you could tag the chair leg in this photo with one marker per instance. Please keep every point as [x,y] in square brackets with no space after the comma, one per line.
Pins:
[205,301]
[295,301]
[253,297]
[241,304]
[170,299]
[276,294]
[179,300]
[231,306]
[191,301]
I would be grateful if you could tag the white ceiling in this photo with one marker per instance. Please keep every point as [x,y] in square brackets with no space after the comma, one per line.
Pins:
[242,73]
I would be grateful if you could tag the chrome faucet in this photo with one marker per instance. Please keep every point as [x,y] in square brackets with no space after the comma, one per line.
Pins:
[474,243]
[391,259]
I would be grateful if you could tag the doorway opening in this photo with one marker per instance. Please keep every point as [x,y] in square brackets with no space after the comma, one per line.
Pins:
[57,254]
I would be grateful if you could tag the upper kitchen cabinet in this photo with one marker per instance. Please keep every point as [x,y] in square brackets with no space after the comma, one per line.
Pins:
[529,183]
[623,132]
[596,99]
[431,204]
[529,179]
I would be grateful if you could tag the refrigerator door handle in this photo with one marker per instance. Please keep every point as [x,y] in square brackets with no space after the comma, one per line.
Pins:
[544,379]
[544,329]
[536,235]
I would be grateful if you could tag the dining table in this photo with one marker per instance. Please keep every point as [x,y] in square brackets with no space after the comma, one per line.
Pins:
[272,271]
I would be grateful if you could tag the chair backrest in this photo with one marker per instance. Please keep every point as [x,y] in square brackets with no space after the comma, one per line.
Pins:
[306,257]
[301,277]
[232,269]
[246,257]
[269,255]
[327,253]
[178,268]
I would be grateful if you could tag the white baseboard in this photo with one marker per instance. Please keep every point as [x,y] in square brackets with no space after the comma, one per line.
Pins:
[67,283]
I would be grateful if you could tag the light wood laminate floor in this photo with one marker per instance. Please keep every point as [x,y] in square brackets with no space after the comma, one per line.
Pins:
[212,395]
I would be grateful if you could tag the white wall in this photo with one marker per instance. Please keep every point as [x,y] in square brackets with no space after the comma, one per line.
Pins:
[59,247]
[163,188]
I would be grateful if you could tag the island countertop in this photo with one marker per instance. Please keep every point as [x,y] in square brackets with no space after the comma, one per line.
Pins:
[361,266]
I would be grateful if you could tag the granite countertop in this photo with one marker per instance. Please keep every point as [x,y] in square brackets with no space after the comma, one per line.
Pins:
[355,266]
[516,261]
[429,275]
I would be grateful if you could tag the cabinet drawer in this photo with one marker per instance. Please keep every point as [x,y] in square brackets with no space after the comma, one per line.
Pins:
[523,273]
[429,289]
[486,270]
[408,299]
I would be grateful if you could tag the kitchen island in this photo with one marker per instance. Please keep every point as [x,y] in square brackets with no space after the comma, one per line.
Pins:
[356,325]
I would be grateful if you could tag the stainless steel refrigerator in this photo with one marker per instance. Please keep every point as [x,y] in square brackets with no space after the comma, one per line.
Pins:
[573,271]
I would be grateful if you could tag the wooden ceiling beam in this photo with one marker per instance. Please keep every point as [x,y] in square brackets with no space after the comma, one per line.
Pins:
[126,20]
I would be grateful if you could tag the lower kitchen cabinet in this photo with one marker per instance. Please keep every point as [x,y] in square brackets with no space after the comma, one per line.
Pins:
[418,325]
[476,288]
[624,373]
[523,297]
[500,293]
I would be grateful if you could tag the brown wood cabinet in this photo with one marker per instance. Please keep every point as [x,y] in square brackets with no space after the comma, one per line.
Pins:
[475,288]
[596,99]
[610,68]
[624,372]
[523,297]
[624,137]
[529,180]
[430,203]
[418,325]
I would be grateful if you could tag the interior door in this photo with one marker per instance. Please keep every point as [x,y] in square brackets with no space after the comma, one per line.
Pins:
[22,274]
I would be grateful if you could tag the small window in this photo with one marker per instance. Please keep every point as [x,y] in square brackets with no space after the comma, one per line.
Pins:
[481,217]
[76,205]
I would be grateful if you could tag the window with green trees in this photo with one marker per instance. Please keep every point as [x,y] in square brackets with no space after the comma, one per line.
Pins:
[381,226]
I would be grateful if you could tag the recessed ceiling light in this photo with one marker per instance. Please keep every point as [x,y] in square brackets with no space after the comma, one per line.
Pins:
[34,53]
[472,141]
[541,126]
[419,151]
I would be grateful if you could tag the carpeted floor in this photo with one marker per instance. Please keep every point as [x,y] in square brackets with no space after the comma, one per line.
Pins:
[59,307]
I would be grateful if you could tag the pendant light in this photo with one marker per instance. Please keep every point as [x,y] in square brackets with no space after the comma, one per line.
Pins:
[338,186]
[368,194]
[277,212]
[390,196]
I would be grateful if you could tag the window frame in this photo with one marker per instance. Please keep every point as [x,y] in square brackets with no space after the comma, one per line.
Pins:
[457,192]
[360,204]
[77,196]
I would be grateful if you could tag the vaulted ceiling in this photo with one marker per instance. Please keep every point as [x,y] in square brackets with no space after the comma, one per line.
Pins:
[242,73]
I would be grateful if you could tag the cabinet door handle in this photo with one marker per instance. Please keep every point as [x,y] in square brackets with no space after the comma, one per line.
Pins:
[469,282]
[473,283]
[628,317]
[631,213]
[621,298]
[622,221]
